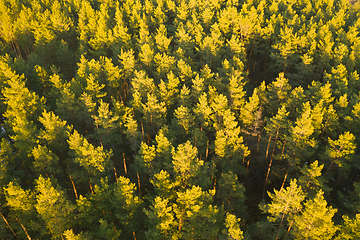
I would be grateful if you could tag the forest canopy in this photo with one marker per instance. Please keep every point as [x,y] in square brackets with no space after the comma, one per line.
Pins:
[179,119]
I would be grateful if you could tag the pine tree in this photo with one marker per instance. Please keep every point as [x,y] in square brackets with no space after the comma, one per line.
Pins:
[350,228]
[162,220]
[340,151]
[22,205]
[23,108]
[301,136]
[231,193]
[95,212]
[311,179]
[278,93]
[145,160]
[45,162]
[154,113]
[128,208]
[232,225]
[169,90]
[187,167]
[197,217]
[315,221]
[121,37]
[107,125]
[162,42]
[55,133]
[276,128]
[285,203]
[53,207]
[69,235]
[184,118]
[101,39]
[236,89]
[6,162]
[94,160]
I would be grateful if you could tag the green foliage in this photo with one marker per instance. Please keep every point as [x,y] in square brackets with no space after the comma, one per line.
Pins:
[181,97]
[341,150]
[161,218]
[95,160]
[285,202]
[350,228]
[53,207]
[233,230]
[197,217]
[315,221]
[231,194]
[311,179]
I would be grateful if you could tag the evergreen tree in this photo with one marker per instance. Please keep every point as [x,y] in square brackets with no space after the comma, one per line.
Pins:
[94,160]
[53,207]
[284,204]
[22,205]
[232,225]
[231,194]
[315,221]
[187,167]
[162,220]
[128,208]
[349,229]
[197,217]
[340,151]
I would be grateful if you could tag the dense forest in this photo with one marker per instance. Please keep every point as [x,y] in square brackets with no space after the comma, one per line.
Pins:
[179,119]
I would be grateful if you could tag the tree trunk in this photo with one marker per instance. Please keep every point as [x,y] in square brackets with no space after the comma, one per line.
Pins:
[91,188]
[258,144]
[277,235]
[329,167]
[124,160]
[138,178]
[270,163]
[267,176]
[287,233]
[142,129]
[22,226]
[8,224]
[207,149]
[115,172]
[74,188]
[287,172]
[267,148]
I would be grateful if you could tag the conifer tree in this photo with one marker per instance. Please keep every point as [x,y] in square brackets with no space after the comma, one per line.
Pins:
[162,220]
[23,212]
[53,207]
[315,221]
[23,108]
[197,217]
[232,225]
[311,179]
[350,228]
[284,204]
[231,193]
[128,208]
[301,144]
[189,169]
[278,93]
[46,162]
[94,160]
[340,151]
[107,125]
[276,128]
[55,133]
